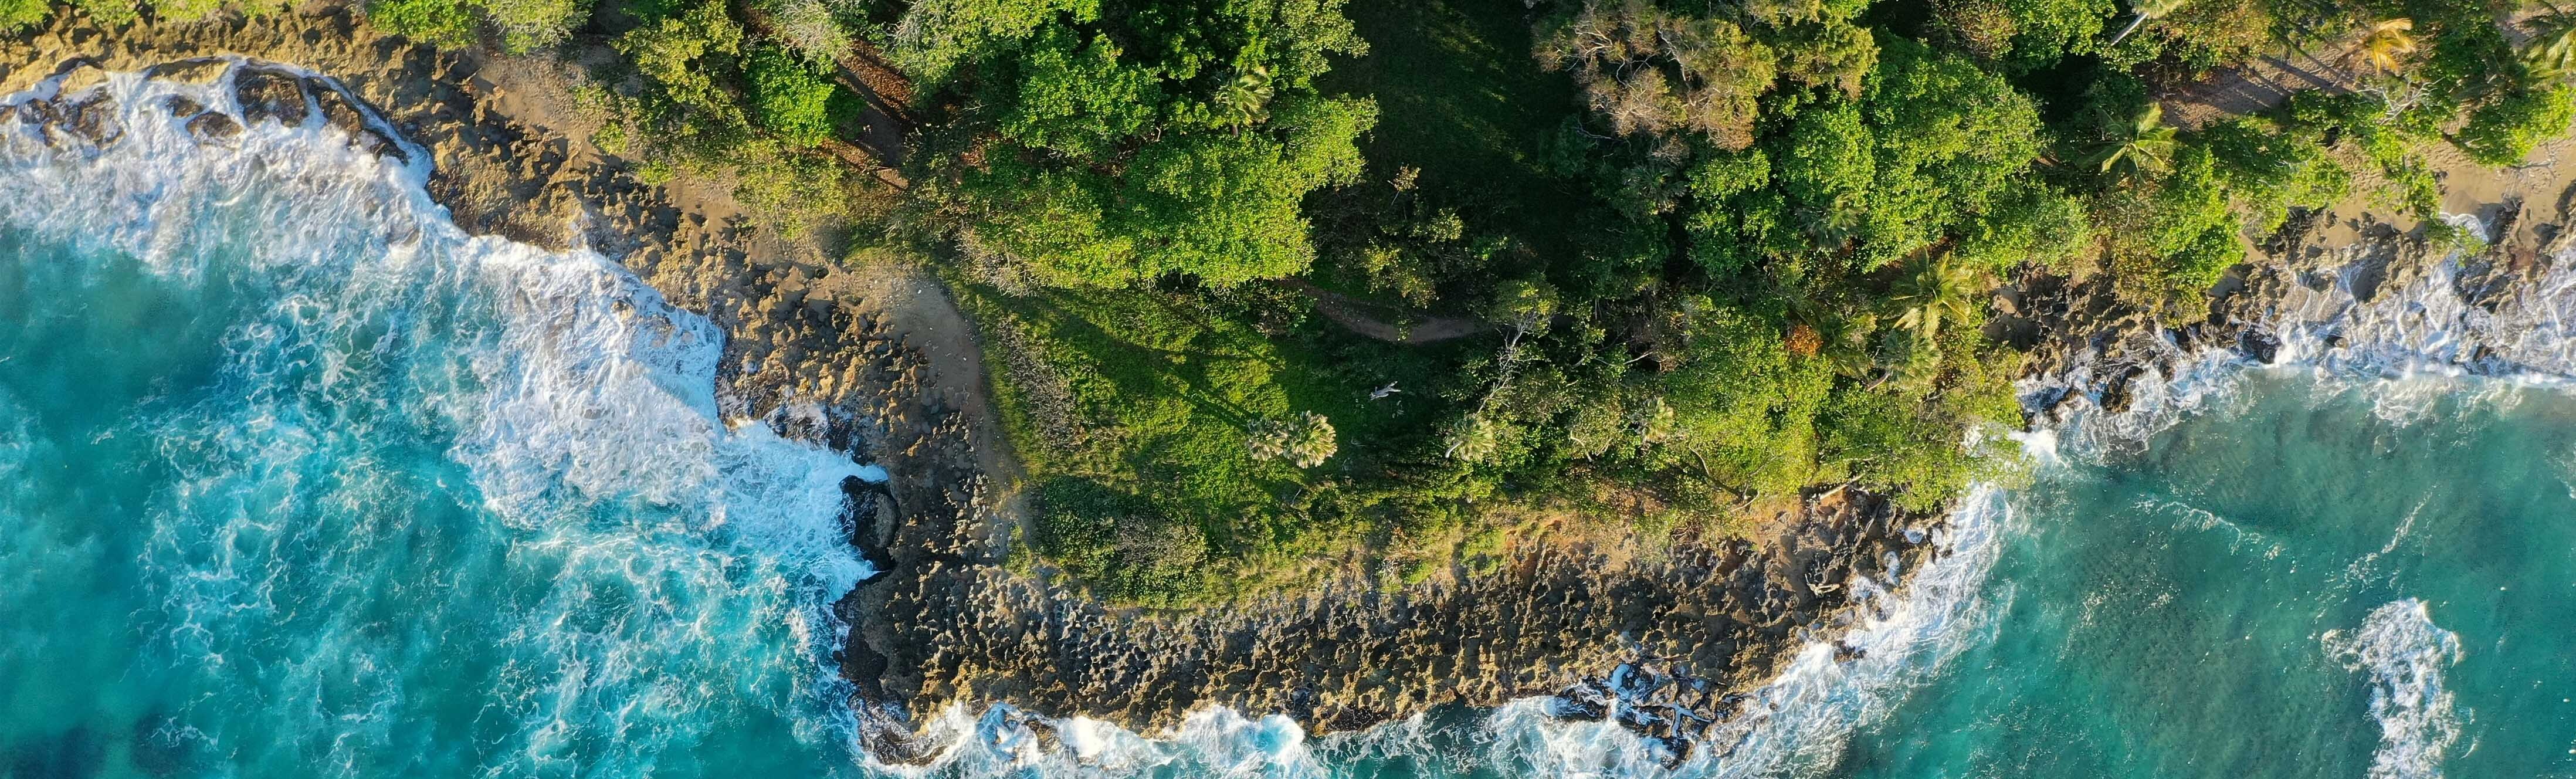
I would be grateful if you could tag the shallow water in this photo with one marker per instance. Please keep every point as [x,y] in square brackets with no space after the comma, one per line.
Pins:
[298,480]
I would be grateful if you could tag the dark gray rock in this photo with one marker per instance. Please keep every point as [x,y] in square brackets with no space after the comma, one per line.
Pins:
[92,118]
[269,94]
[213,127]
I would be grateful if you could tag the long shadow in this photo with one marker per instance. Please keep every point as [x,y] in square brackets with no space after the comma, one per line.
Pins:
[1072,326]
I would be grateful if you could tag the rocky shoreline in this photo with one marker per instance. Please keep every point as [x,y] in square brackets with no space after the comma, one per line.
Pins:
[876,363]
[823,356]
[1710,619]
[859,362]
[2088,352]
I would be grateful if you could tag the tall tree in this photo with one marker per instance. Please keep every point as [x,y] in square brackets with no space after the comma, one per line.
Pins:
[1935,293]
[2143,10]
[1115,142]
[2144,144]
[2552,49]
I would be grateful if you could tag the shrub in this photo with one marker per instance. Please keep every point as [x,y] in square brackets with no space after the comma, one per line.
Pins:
[442,22]
[529,25]
[794,192]
[808,27]
[2503,131]
[791,101]
[109,11]
[18,15]
[1117,544]
[186,9]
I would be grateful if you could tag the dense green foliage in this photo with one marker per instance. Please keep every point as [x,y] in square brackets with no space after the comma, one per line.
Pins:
[2503,131]
[1755,258]
[520,25]
[1174,402]
[1108,143]
[17,15]
[1677,261]
[791,100]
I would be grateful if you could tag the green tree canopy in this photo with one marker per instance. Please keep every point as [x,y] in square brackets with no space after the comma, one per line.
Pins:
[1109,144]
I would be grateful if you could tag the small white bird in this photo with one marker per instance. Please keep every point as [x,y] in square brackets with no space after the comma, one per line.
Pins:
[1382,392]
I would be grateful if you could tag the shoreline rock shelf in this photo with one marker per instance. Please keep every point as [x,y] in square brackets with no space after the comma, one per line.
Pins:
[943,622]
[877,364]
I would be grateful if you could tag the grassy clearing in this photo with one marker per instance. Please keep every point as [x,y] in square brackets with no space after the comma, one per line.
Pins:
[1133,409]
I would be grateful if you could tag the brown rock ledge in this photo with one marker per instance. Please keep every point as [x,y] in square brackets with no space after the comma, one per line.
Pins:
[877,362]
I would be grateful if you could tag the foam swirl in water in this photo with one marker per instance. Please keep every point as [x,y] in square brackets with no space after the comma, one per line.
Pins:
[2404,654]
[630,586]
[418,502]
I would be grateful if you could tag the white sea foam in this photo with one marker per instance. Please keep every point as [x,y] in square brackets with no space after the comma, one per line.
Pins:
[2413,346]
[678,560]
[2408,341]
[586,355]
[2405,656]
[1215,742]
[2407,344]
[1907,634]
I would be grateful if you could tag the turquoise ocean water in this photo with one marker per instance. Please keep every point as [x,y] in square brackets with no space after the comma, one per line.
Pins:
[297,480]
[2316,578]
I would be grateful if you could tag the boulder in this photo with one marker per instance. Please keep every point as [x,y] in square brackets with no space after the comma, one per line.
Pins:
[213,127]
[93,119]
[270,94]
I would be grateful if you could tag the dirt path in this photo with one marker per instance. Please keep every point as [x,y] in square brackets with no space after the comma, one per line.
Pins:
[1370,319]
[887,95]
[889,98]
[2266,82]
[2256,86]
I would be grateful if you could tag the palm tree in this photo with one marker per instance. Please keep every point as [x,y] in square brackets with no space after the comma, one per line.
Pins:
[2552,50]
[1845,344]
[2146,9]
[1823,328]
[2142,144]
[1938,291]
[2388,44]
[1832,224]
[1246,99]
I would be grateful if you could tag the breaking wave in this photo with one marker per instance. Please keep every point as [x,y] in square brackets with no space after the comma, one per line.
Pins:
[2404,654]
[686,564]
[2408,340]
[437,497]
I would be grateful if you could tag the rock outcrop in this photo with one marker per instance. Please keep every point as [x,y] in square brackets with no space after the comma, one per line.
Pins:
[877,364]
[1557,617]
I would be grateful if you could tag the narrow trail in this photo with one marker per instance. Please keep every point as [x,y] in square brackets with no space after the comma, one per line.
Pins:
[884,91]
[2258,85]
[1364,318]
[888,96]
